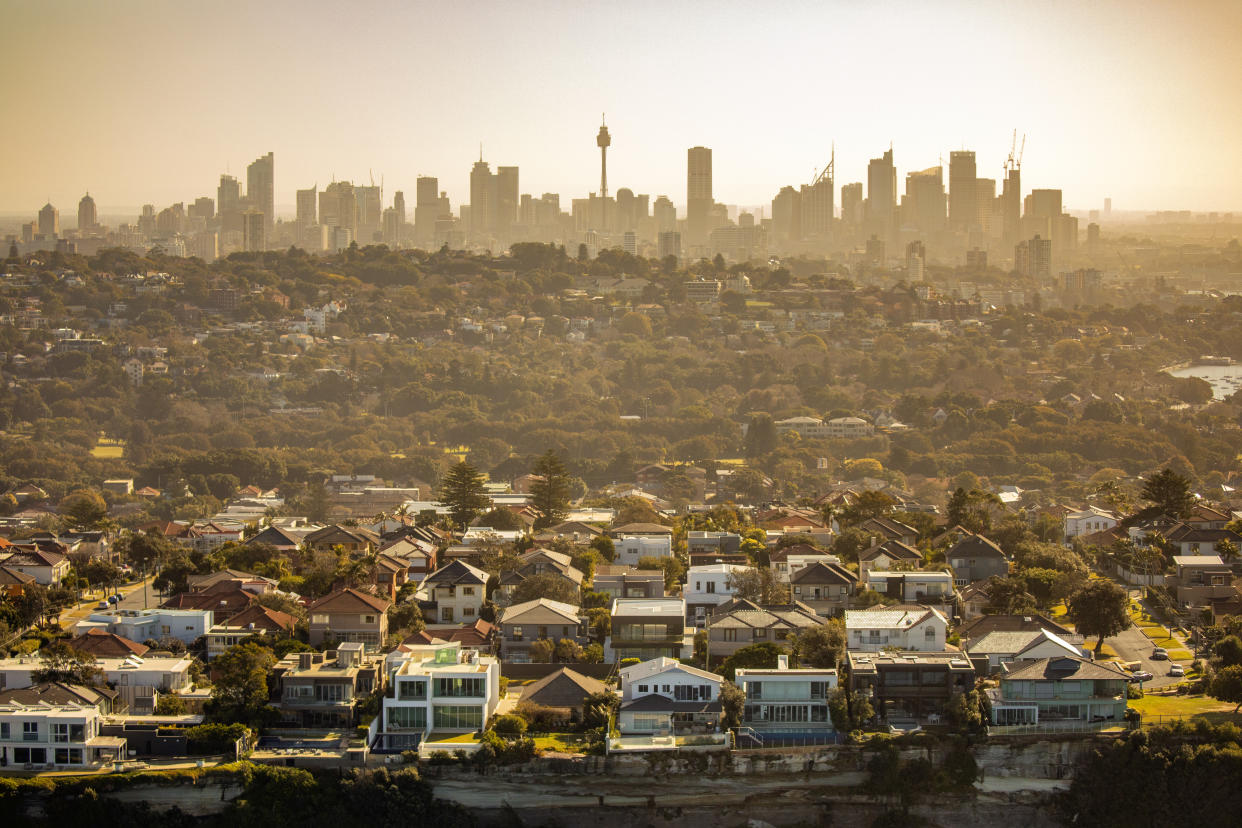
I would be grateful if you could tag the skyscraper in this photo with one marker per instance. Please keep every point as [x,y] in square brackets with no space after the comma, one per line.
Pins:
[881,193]
[665,215]
[482,198]
[228,194]
[699,197]
[338,206]
[426,209]
[963,192]
[787,215]
[308,202]
[506,201]
[87,216]
[817,204]
[49,221]
[254,226]
[924,202]
[852,204]
[985,195]
[370,204]
[1011,204]
[261,188]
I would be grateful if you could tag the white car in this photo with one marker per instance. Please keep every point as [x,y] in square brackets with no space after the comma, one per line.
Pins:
[1177,670]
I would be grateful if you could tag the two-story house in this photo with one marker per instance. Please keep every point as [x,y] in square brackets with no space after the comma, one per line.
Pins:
[785,703]
[909,684]
[1000,650]
[324,689]
[825,587]
[975,558]
[932,587]
[921,629]
[47,568]
[138,681]
[443,689]
[42,736]
[630,549]
[146,624]
[664,696]
[886,528]
[355,540]
[542,619]
[1087,521]
[787,560]
[458,590]
[349,615]
[647,628]
[1200,579]
[533,563]
[887,555]
[707,587]
[741,623]
[618,581]
[1060,691]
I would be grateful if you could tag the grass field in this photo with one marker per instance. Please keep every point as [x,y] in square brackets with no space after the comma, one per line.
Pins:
[560,742]
[108,452]
[1185,707]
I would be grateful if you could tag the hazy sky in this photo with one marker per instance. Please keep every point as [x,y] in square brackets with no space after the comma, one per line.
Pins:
[151,101]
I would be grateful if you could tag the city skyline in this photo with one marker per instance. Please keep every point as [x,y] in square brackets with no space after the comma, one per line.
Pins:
[1095,91]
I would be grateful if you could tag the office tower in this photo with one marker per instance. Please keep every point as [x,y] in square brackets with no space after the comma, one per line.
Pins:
[787,216]
[668,243]
[1042,217]
[976,260]
[924,202]
[170,221]
[852,205]
[49,221]
[625,217]
[963,194]
[699,197]
[146,222]
[392,227]
[506,200]
[817,204]
[29,230]
[203,208]
[1093,236]
[916,257]
[205,244]
[875,251]
[1108,207]
[308,202]
[482,199]
[426,209]
[1040,252]
[370,205]
[629,242]
[603,140]
[1011,203]
[338,206]
[398,206]
[985,196]
[881,192]
[665,215]
[254,227]
[261,189]
[87,216]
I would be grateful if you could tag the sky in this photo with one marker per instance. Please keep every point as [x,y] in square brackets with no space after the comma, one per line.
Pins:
[141,101]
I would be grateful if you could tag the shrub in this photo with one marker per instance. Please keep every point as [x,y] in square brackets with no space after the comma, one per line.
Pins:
[509,725]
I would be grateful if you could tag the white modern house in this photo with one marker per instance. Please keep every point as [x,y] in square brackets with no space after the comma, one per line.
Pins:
[918,586]
[787,704]
[138,680]
[663,696]
[441,689]
[707,587]
[631,549]
[1088,521]
[458,589]
[143,624]
[44,736]
[921,629]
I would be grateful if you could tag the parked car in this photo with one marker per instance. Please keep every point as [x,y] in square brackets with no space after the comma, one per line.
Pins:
[114,599]
[1141,675]
[1160,654]
[1177,670]
[104,605]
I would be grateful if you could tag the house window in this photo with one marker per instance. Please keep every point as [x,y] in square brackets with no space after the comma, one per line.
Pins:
[412,690]
[446,613]
[459,717]
[368,619]
[319,618]
[754,689]
[929,633]
[543,632]
[4,730]
[729,635]
[407,717]
[516,635]
[30,731]
[711,586]
[60,732]
[642,688]
[467,590]
[23,756]
[468,612]
[68,756]
[760,634]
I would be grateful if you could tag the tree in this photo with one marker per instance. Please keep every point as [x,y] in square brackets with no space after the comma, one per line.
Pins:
[1227,652]
[1226,686]
[597,708]
[500,519]
[871,503]
[83,508]
[605,547]
[732,703]
[405,618]
[1007,595]
[672,566]
[548,585]
[759,585]
[541,651]
[1169,493]
[240,691]
[60,662]
[462,492]
[146,549]
[170,704]
[849,711]
[971,509]
[822,647]
[1100,608]
[758,656]
[550,491]
[567,650]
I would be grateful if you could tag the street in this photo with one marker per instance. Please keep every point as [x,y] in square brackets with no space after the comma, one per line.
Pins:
[132,598]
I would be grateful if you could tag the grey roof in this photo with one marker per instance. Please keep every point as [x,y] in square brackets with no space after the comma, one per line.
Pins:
[1064,667]
[457,572]
[655,703]
[564,688]
[823,573]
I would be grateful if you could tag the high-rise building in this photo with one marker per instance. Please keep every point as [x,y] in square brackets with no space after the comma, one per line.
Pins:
[985,196]
[665,215]
[787,216]
[261,189]
[308,202]
[603,140]
[392,227]
[398,206]
[881,192]
[338,206]
[202,208]
[1041,257]
[963,192]
[817,205]
[1011,204]
[852,204]
[370,202]
[88,218]
[426,209]
[916,258]
[923,205]
[668,243]
[482,199]
[49,221]
[699,198]
[254,231]
[506,201]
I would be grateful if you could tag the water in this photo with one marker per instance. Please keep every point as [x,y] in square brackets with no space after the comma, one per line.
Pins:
[1224,379]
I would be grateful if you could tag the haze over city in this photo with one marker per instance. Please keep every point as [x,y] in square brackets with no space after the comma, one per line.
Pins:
[143,102]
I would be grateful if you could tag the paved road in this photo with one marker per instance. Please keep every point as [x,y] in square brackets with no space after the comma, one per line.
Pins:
[132,599]
[1133,645]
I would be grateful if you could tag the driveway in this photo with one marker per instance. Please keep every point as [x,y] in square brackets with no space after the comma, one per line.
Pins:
[1133,645]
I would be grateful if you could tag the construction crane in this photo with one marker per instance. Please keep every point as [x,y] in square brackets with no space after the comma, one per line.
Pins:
[827,172]
[1012,162]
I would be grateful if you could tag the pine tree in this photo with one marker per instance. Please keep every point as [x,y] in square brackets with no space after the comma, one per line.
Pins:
[550,492]
[461,491]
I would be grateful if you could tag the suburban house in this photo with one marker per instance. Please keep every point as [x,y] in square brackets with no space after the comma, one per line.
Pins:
[223,599]
[38,736]
[917,628]
[645,530]
[481,636]
[458,591]
[283,540]
[909,684]
[977,628]
[916,587]
[254,620]
[104,644]
[741,623]
[146,624]
[825,587]
[55,692]
[538,562]
[1000,650]
[1087,521]
[564,691]
[713,543]
[323,689]
[630,549]
[443,689]
[1193,540]
[885,528]
[662,696]
[707,587]
[14,582]
[246,581]
[648,628]
[47,568]
[789,559]
[418,556]
[974,599]
[138,681]
[541,619]
[888,554]
[390,574]
[349,615]
[355,540]
[786,703]
[975,558]
[1200,579]
[1058,691]
[628,582]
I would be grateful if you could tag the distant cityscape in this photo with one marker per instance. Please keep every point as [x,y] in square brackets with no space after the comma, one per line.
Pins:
[971,220]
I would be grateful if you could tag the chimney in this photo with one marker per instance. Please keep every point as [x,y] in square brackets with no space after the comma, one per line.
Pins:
[782,661]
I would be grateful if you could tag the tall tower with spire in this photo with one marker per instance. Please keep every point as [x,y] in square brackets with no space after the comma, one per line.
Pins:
[603,140]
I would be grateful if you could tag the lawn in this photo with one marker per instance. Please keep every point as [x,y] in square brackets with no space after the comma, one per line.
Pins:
[441,738]
[561,742]
[108,452]
[1185,707]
